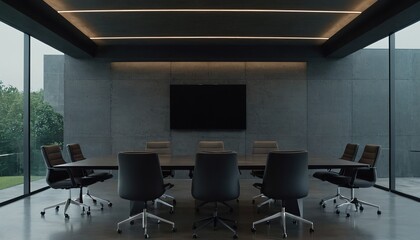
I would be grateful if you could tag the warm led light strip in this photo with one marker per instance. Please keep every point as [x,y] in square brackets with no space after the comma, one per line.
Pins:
[208,10]
[210,37]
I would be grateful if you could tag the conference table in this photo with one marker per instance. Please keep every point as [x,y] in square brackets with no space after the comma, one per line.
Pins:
[186,162]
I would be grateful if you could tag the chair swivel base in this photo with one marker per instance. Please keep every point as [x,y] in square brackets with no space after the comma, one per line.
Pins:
[356,204]
[197,208]
[144,216]
[214,219]
[283,214]
[97,199]
[337,196]
[66,204]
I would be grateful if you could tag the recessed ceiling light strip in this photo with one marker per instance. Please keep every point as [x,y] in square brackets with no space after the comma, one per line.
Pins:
[209,10]
[209,37]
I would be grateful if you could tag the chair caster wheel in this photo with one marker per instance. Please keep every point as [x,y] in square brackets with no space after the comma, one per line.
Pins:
[146,236]
[323,205]
[267,222]
[348,215]
[118,230]
[337,211]
[131,222]
[321,202]
[174,202]
[194,236]
[66,216]
[284,235]
[109,204]
[361,208]
[171,211]
[174,229]
[334,201]
[253,229]
[94,201]
[88,213]
[379,212]
[311,230]
[57,208]
[235,236]
[42,213]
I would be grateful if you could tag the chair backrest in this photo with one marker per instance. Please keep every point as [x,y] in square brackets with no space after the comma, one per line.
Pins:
[350,152]
[211,146]
[286,175]
[370,154]
[139,176]
[52,156]
[264,147]
[216,176]
[159,147]
[75,152]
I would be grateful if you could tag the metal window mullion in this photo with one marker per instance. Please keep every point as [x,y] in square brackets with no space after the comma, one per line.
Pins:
[392,133]
[26,114]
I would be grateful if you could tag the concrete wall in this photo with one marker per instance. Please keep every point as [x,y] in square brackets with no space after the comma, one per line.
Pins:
[320,105]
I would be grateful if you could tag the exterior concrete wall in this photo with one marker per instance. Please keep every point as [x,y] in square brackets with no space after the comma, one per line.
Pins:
[320,105]
[54,82]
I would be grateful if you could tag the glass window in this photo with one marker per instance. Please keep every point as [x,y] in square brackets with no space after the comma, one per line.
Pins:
[375,120]
[46,105]
[11,111]
[407,110]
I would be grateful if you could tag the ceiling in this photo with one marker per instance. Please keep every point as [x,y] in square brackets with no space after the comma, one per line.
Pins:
[209,30]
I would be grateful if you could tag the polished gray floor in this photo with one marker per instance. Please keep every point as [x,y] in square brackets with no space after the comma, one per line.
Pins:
[399,219]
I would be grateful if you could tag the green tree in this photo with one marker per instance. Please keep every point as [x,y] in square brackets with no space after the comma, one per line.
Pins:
[46,127]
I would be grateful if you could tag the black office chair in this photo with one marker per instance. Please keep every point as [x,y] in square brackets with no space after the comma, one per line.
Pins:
[349,154]
[75,152]
[261,149]
[61,178]
[216,179]
[162,148]
[359,178]
[140,179]
[209,146]
[285,178]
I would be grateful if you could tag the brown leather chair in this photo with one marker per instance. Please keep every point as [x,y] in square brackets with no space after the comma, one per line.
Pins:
[75,152]
[61,178]
[350,153]
[359,178]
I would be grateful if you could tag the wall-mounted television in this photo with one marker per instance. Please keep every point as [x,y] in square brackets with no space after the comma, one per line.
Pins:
[208,107]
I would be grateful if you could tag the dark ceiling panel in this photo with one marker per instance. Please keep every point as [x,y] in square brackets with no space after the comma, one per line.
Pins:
[70,32]
[207,24]
[239,4]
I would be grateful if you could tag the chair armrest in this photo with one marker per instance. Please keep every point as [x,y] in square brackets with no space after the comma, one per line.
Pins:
[168,186]
[67,170]
[257,185]
[367,174]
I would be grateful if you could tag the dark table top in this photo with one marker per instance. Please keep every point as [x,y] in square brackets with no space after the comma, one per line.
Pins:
[187,162]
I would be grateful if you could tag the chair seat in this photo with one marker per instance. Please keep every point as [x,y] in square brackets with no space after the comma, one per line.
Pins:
[257,173]
[325,175]
[344,181]
[63,184]
[86,181]
[101,176]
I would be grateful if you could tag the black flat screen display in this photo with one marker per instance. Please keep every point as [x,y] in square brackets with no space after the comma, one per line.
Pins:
[208,107]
